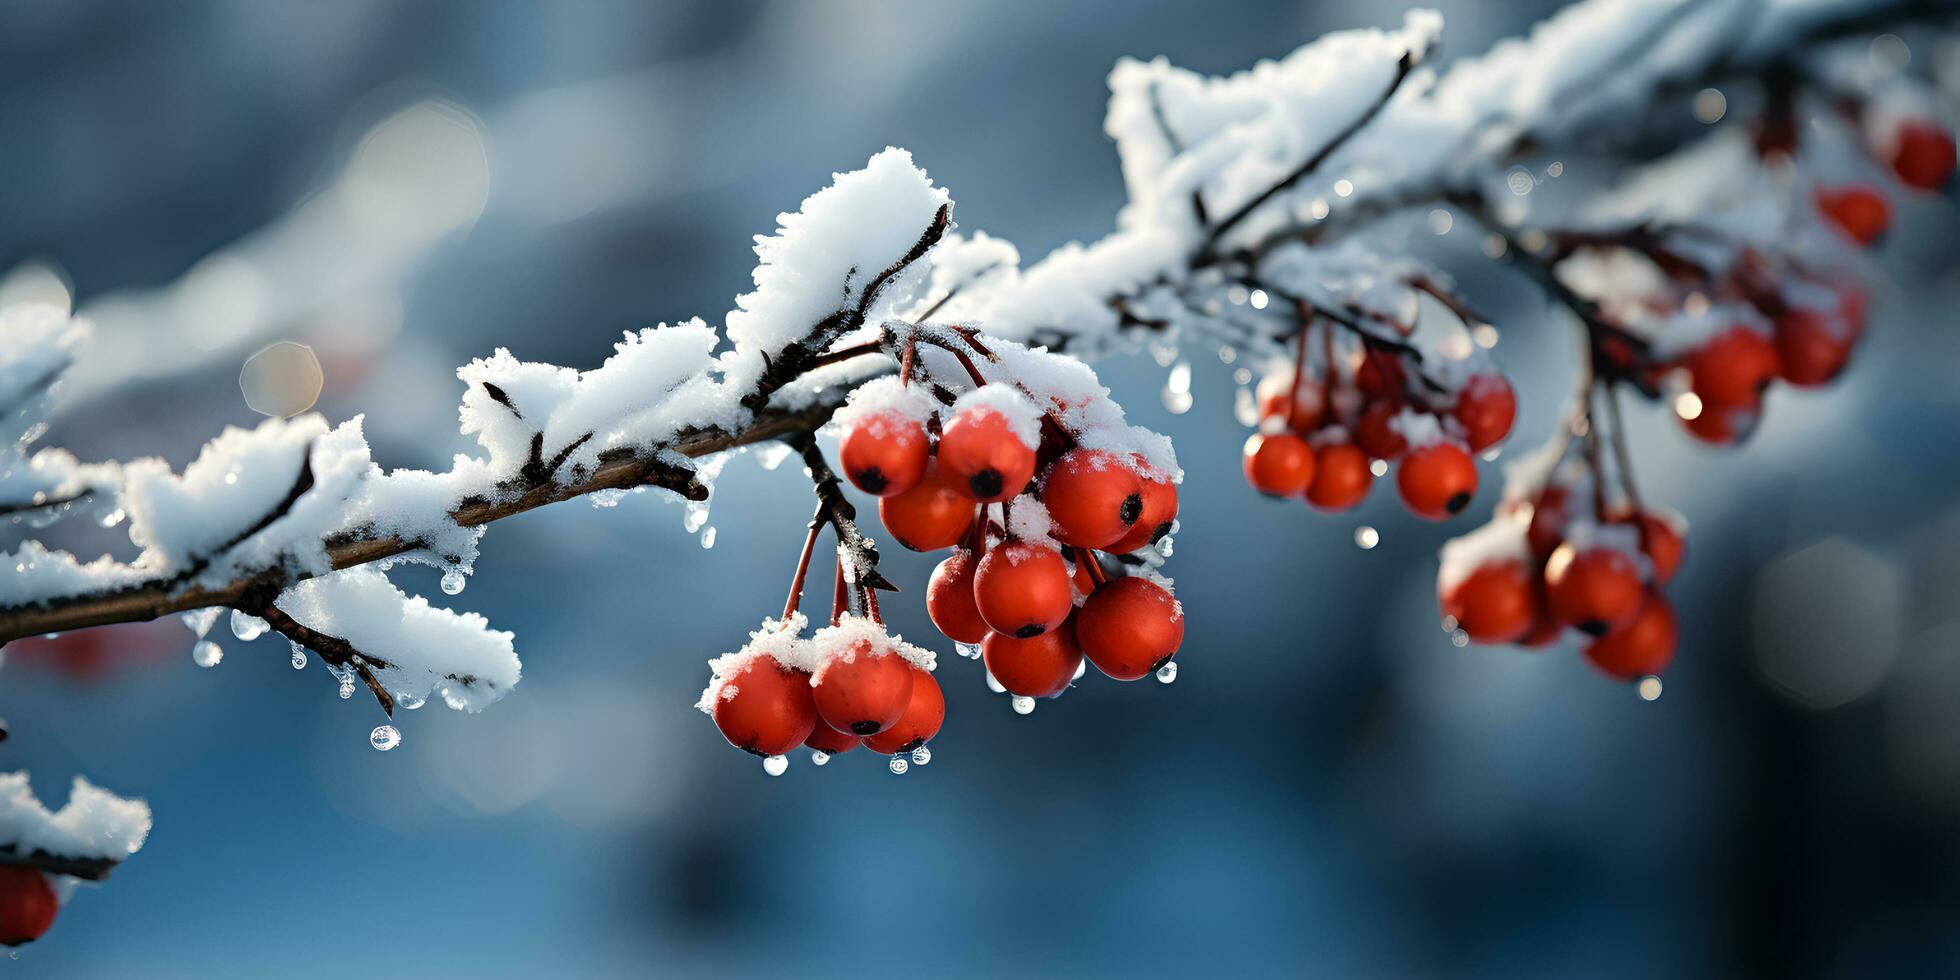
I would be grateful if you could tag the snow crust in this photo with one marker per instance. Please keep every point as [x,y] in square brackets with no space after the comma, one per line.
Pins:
[94,823]
[428,650]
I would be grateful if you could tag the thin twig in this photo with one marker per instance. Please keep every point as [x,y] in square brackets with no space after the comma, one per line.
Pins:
[1312,163]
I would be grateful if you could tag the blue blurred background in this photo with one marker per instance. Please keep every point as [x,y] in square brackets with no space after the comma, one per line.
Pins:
[1329,788]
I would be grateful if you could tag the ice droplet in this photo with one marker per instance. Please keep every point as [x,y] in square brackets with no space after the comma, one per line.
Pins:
[994,685]
[1649,688]
[247,627]
[1080,669]
[384,737]
[1459,638]
[970,651]
[200,620]
[707,537]
[1165,546]
[207,653]
[1366,537]
[819,757]
[299,657]
[1023,705]
[1167,673]
[453,582]
[410,702]
[695,516]
[921,756]
[899,765]
[775,765]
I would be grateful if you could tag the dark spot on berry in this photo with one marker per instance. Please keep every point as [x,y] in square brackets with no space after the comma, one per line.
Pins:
[913,744]
[1162,529]
[985,483]
[1131,510]
[864,728]
[1030,631]
[870,479]
[1593,627]
[752,750]
[1457,503]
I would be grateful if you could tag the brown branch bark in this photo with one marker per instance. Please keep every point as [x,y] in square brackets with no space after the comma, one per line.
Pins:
[87,869]
[152,600]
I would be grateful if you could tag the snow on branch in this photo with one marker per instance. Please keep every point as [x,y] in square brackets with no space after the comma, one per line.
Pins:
[1269,183]
[86,838]
[269,521]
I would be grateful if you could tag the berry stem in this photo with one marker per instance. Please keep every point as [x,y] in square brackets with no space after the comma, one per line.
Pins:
[803,565]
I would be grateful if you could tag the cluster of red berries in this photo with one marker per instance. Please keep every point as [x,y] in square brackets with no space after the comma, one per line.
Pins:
[1538,568]
[28,904]
[1009,587]
[1771,322]
[1326,440]
[1033,484]
[1919,153]
[851,683]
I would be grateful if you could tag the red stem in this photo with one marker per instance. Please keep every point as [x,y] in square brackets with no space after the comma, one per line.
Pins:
[803,566]
[1087,559]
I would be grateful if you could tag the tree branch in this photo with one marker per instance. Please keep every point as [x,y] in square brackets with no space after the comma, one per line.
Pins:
[331,649]
[87,869]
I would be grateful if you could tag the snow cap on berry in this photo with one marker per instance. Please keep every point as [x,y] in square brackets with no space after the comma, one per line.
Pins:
[780,639]
[1023,418]
[1501,540]
[881,397]
[839,643]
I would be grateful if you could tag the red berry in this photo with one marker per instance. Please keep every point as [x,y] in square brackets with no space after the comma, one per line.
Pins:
[1279,464]
[1022,589]
[1130,627]
[826,739]
[1811,347]
[1437,481]
[1723,425]
[1644,647]
[1923,156]
[1341,478]
[1733,369]
[1663,541]
[982,456]
[1374,434]
[884,454]
[1597,590]
[864,689]
[1308,401]
[27,905]
[949,599]
[924,713]
[1485,408]
[1859,210]
[1495,603]
[1159,511]
[1548,516]
[1380,375]
[765,708]
[1093,497]
[930,516]
[1035,667]
[1544,631]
